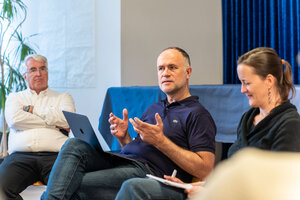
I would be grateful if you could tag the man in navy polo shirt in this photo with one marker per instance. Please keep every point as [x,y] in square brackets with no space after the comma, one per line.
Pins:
[176,133]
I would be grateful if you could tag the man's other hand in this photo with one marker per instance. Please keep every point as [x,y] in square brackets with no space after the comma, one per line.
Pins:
[153,134]
[119,127]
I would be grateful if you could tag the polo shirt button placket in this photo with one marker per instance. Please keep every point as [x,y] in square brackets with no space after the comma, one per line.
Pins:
[165,113]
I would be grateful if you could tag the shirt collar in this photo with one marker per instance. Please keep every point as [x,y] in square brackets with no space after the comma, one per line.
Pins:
[181,102]
[44,92]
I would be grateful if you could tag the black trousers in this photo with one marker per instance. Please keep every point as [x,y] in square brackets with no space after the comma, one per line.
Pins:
[21,169]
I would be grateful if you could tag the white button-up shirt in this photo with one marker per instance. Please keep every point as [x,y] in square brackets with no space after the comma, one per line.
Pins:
[37,131]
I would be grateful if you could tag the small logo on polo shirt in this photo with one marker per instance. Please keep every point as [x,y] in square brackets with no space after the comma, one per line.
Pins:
[175,121]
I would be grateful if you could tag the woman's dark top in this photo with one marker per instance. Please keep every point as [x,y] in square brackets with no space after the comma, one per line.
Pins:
[278,131]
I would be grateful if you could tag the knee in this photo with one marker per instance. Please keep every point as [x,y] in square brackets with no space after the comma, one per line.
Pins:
[5,177]
[73,145]
[127,190]
[9,190]
[130,185]
[10,183]
[4,188]
[135,187]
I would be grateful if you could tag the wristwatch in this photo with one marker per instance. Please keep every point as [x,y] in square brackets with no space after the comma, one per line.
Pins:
[27,108]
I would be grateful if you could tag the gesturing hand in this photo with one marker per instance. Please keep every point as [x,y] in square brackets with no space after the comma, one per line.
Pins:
[119,127]
[153,134]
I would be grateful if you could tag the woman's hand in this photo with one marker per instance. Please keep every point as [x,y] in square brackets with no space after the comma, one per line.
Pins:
[197,186]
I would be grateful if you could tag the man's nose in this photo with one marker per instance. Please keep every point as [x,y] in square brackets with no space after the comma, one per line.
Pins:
[166,72]
[38,72]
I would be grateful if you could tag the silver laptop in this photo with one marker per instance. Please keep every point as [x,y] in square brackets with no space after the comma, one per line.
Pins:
[82,129]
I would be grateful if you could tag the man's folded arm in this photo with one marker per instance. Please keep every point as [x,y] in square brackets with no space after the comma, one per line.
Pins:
[18,119]
[53,116]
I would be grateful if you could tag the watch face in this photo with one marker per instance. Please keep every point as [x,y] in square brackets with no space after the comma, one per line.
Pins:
[27,108]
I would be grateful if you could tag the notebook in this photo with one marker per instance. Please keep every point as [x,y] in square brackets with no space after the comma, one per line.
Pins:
[171,183]
[82,129]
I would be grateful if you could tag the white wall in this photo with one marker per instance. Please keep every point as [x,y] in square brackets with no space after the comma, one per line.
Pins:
[131,33]
[89,100]
[108,58]
[150,26]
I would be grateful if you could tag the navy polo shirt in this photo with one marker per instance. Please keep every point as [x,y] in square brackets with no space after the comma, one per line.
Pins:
[186,123]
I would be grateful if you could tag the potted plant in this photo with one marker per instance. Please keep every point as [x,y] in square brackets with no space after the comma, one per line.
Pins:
[13,49]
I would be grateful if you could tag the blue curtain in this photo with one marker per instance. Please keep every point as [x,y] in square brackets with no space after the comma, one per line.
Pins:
[248,24]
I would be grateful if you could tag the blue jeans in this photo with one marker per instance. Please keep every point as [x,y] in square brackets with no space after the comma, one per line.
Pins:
[81,172]
[146,189]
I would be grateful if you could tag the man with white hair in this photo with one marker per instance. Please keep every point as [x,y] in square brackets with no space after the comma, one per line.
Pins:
[38,129]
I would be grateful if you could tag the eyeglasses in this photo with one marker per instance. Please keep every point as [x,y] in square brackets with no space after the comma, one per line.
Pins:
[33,70]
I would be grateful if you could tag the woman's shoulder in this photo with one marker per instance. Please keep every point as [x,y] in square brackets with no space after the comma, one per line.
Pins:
[289,111]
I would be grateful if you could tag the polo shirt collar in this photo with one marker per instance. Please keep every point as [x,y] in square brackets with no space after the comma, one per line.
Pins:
[185,101]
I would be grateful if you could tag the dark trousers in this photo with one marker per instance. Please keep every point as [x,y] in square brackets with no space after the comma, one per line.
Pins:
[21,169]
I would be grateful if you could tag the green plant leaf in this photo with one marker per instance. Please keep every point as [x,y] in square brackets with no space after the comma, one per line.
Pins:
[15,80]
[24,48]
[14,53]
[10,8]
[2,96]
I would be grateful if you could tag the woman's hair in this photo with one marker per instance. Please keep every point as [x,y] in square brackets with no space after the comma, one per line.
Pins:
[266,61]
